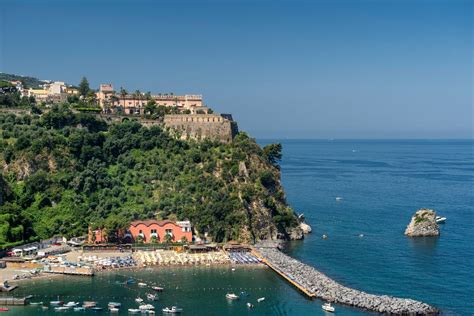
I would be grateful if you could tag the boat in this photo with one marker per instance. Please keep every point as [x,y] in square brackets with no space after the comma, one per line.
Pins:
[150,312]
[89,304]
[139,300]
[249,305]
[172,310]
[338,198]
[261,299]
[328,307]
[56,303]
[36,303]
[231,296]
[71,304]
[157,288]
[134,310]
[114,304]
[114,310]
[4,309]
[152,297]
[440,219]
[146,307]
[79,309]
[96,309]
[141,284]
[61,308]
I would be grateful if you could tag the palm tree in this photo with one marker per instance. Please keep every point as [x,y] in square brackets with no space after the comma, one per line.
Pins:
[113,99]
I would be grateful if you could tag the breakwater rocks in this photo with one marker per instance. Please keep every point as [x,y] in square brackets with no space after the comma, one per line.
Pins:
[423,224]
[316,284]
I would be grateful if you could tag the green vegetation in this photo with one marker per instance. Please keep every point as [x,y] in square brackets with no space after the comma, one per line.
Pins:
[62,171]
[28,82]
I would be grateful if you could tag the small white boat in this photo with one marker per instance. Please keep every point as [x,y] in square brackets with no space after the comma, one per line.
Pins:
[157,288]
[146,307]
[172,310]
[114,304]
[134,310]
[141,284]
[79,309]
[152,297]
[440,219]
[261,299]
[328,307]
[89,304]
[71,304]
[36,303]
[61,308]
[232,296]
[139,300]
[338,198]
[150,312]
[114,310]
[249,305]
[56,303]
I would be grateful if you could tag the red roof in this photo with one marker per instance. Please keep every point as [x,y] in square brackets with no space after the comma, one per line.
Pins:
[150,222]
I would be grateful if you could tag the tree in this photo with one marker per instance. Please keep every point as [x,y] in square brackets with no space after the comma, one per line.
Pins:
[137,95]
[123,94]
[84,87]
[273,153]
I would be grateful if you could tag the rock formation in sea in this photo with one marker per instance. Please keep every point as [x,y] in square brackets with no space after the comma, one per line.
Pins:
[423,224]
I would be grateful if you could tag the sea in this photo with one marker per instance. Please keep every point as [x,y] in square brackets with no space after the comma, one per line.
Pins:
[361,194]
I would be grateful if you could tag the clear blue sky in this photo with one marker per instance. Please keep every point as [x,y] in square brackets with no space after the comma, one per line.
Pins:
[299,69]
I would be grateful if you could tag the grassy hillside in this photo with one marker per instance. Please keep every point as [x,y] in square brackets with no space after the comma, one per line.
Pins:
[63,171]
[29,82]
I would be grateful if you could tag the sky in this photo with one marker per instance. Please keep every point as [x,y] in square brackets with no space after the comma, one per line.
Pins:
[284,69]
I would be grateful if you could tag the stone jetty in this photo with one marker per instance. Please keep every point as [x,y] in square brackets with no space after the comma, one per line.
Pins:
[316,284]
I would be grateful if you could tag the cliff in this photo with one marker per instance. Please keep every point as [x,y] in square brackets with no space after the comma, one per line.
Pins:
[68,170]
[423,224]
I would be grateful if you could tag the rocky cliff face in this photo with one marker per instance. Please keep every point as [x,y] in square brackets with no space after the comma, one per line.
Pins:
[423,224]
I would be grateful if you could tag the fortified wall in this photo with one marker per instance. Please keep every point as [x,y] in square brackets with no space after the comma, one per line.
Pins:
[199,126]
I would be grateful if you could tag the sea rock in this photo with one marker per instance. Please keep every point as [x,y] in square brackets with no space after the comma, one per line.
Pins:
[305,228]
[296,233]
[423,224]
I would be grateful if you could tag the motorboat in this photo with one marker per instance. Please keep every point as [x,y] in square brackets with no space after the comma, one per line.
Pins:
[249,305]
[328,307]
[56,303]
[338,198]
[152,297]
[146,307]
[261,299]
[172,310]
[157,288]
[79,309]
[96,309]
[134,310]
[114,310]
[150,312]
[62,308]
[71,304]
[440,219]
[36,303]
[231,296]
[114,304]
[89,304]
[139,300]
[141,284]
[4,309]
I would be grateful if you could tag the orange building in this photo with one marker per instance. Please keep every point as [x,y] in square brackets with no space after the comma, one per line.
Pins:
[146,230]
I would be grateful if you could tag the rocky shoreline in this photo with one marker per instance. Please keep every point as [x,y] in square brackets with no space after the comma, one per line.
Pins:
[321,286]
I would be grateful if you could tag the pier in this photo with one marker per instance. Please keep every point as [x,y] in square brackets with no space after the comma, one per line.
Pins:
[315,284]
[86,271]
[12,301]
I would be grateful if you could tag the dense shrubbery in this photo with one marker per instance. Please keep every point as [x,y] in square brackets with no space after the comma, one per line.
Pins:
[63,171]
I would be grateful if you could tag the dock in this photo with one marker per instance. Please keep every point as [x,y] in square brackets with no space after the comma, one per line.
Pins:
[12,301]
[85,271]
[315,284]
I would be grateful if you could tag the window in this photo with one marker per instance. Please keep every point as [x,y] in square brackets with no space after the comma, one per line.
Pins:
[169,231]
[140,232]
[153,231]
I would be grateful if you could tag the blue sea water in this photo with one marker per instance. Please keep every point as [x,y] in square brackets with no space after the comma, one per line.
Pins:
[382,183]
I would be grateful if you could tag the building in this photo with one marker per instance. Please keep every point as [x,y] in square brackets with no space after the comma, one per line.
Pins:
[152,229]
[135,104]
[148,231]
[54,92]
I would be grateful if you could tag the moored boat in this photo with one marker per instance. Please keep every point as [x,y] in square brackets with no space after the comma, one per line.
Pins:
[249,305]
[114,310]
[62,308]
[328,307]
[71,304]
[232,296]
[172,310]
[36,303]
[139,300]
[89,304]
[440,219]
[114,304]
[261,299]
[141,284]
[152,297]
[79,309]
[134,310]
[4,309]
[56,303]
[157,288]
